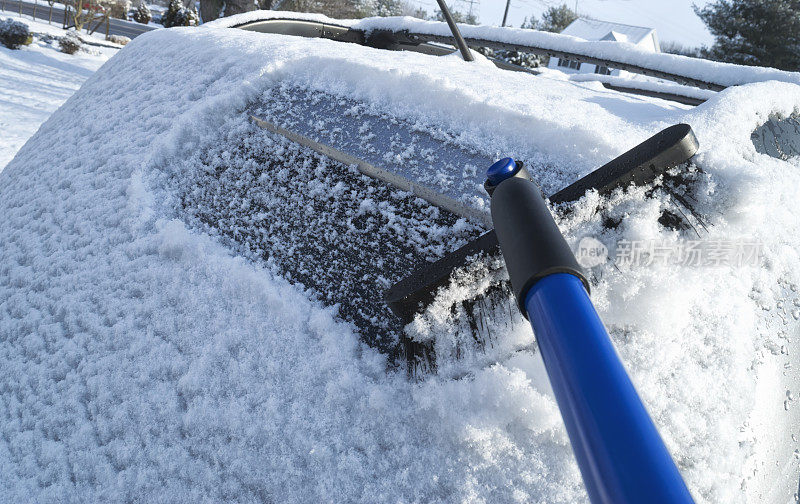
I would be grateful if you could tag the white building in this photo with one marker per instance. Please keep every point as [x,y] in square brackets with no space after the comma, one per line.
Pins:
[592,29]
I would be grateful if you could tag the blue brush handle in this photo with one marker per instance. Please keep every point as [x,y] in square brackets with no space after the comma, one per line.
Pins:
[621,456]
[619,451]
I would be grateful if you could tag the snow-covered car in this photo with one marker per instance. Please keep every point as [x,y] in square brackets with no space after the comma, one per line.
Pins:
[196,245]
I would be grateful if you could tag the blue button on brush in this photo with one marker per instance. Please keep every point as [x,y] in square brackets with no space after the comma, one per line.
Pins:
[501,170]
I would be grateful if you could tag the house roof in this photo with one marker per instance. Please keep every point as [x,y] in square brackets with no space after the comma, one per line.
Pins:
[616,36]
[593,29]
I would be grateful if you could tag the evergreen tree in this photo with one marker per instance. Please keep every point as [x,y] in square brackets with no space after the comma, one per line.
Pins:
[142,14]
[754,32]
[178,15]
[530,24]
[458,16]
[387,8]
[555,19]
[188,17]
[168,19]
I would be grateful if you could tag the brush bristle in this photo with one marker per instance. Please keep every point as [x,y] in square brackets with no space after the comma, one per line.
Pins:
[466,322]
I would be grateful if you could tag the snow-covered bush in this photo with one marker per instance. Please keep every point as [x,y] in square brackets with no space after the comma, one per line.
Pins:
[178,15]
[14,34]
[523,59]
[118,39]
[70,43]
[526,60]
[142,14]
[554,20]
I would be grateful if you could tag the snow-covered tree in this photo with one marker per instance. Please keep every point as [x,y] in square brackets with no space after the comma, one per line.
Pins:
[458,16]
[754,32]
[387,8]
[555,19]
[142,13]
[187,17]
[530,24]
[168,19]
[178,15]
[82,13]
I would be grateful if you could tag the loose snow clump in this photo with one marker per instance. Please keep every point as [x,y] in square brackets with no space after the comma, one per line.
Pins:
[14,34]
[118,39]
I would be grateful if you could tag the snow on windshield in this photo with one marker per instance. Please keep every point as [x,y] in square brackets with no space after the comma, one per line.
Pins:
[143,359]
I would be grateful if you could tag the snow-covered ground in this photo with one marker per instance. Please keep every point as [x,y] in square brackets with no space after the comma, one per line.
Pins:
[142,360]
[36,80]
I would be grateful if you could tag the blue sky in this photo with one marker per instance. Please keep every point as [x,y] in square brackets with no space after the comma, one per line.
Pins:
[673,20]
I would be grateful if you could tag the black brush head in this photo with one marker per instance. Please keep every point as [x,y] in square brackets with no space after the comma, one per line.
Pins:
[412,296]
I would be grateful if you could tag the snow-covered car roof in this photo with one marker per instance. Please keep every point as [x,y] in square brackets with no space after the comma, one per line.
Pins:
[144,359]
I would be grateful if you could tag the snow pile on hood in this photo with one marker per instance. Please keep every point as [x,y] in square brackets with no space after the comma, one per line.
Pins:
[143,361]
[724,74]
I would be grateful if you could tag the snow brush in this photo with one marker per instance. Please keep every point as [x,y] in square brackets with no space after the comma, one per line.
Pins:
[442,281]
[621,456]
[392,240]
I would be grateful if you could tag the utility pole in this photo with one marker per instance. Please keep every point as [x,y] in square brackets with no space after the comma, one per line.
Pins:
[505,14]
[471,4]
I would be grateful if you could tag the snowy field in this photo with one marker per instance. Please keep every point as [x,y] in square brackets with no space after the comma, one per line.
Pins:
[36,80]
[144,361]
